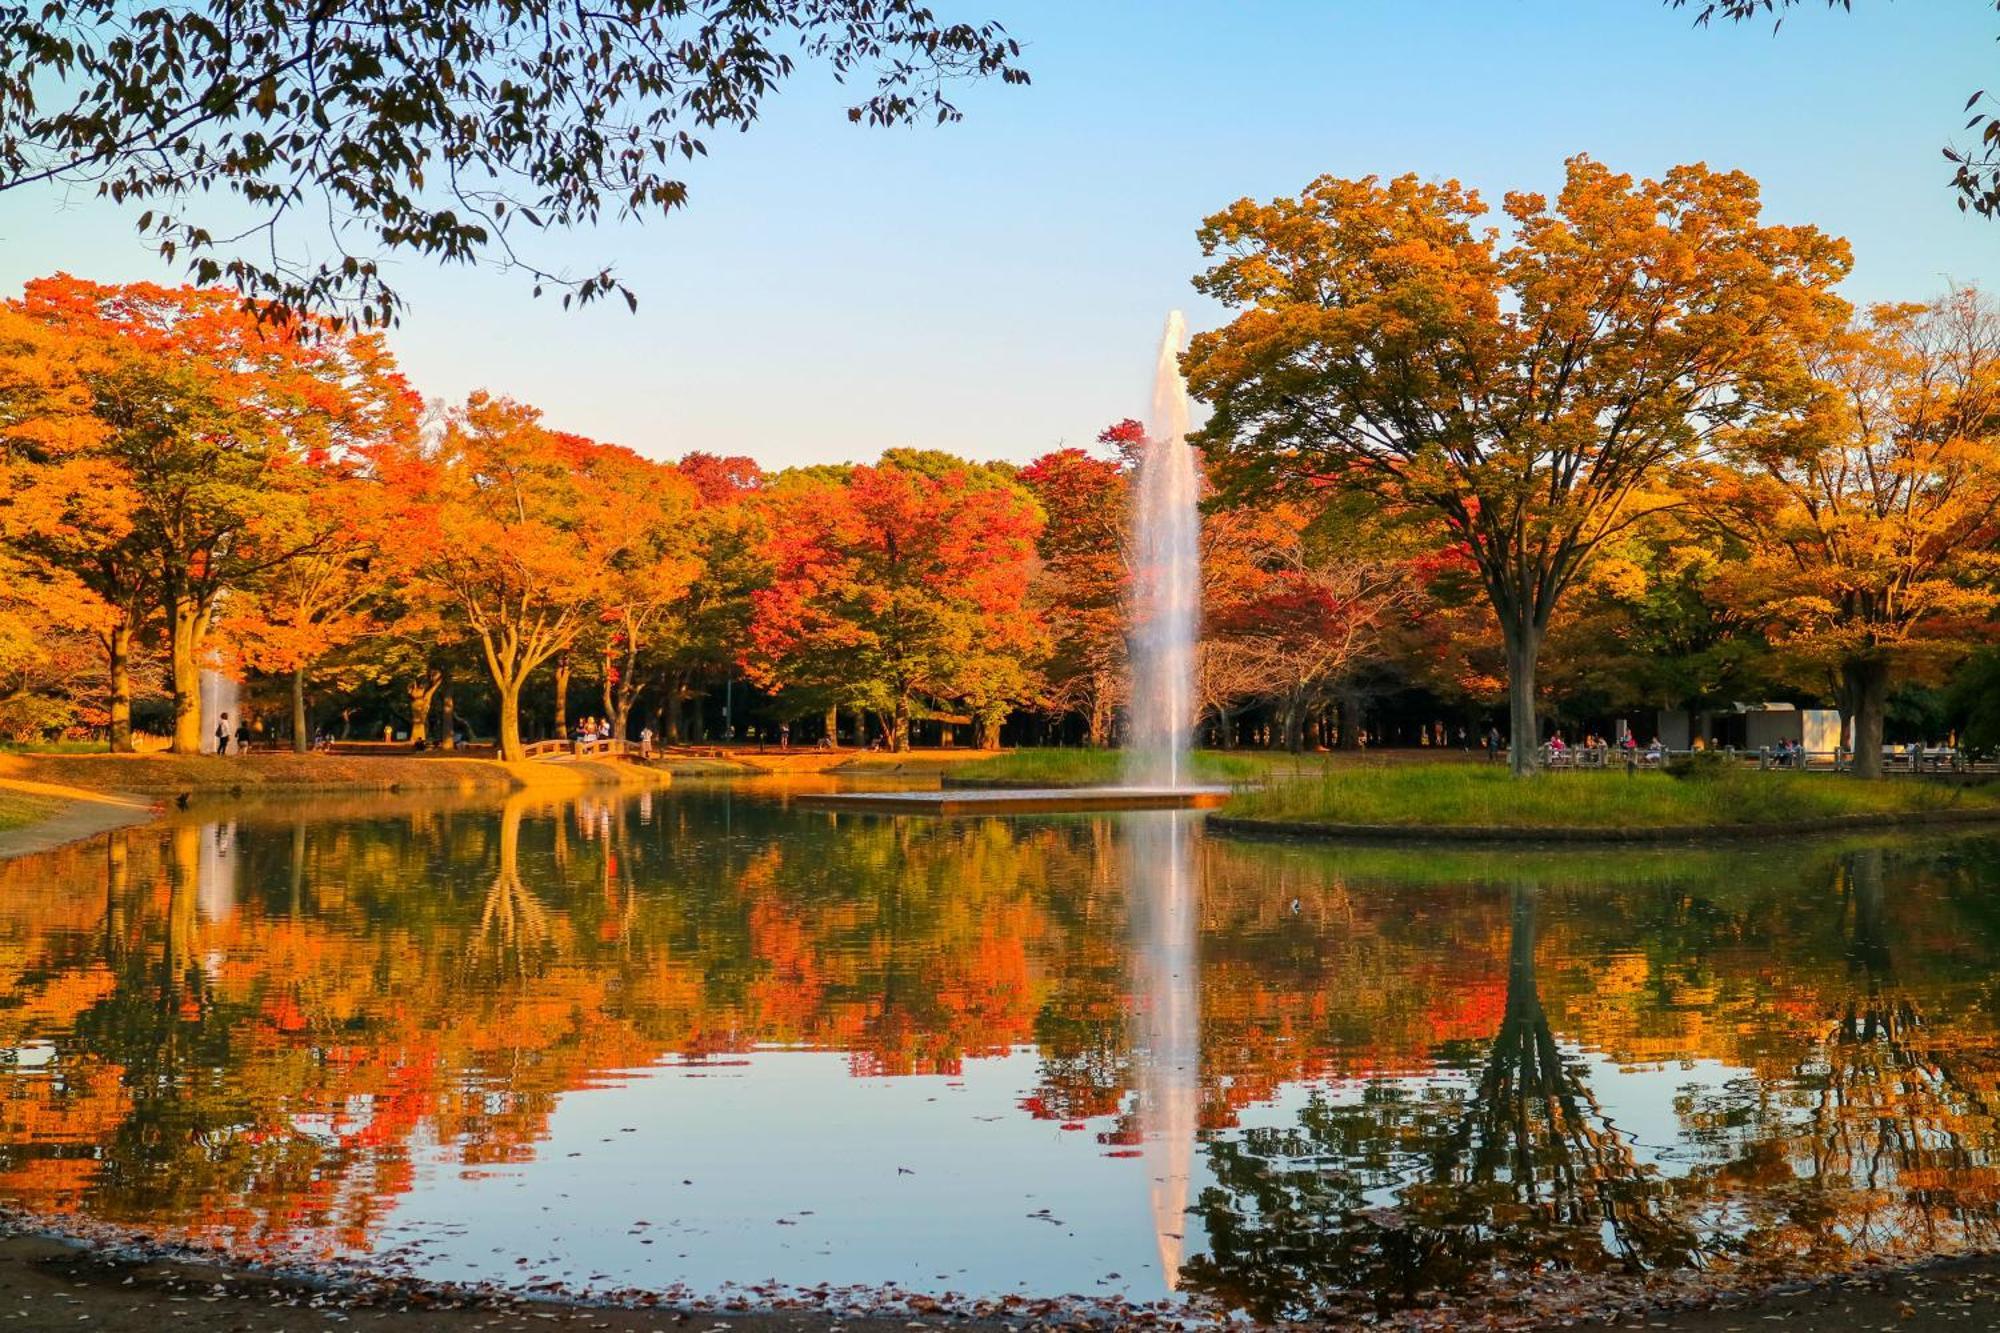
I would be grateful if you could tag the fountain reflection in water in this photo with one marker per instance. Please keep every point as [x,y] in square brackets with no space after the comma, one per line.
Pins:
[1166,528]
[1160,880]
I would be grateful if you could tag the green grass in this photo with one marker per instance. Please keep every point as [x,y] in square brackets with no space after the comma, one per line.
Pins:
[54,747]
[1096,768]
[1475,795]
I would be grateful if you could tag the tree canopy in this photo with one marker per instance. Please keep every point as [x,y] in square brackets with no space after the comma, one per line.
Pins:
[251,134]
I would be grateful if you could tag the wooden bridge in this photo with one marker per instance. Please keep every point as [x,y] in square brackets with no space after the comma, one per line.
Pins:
[557,751]
[591,749]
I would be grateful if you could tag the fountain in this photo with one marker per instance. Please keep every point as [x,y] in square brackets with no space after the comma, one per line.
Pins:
[1166,580]
[1166,606]
[219,695]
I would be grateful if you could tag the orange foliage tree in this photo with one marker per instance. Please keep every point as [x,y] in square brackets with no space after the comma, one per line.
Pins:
[215,428]
[528,532]
[901,581]
[1870,509]
[1538,396]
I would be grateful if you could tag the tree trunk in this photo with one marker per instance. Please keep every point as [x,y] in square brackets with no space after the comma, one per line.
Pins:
[1866,682]
[673,723]
[450,741]
[301,742]
[562,698]
[1524,644]
[183,634]
[511,748]
[899,737]
[832,724]
[1100,719]
[1294,731]
[118,644]
[420,694]
[986,730]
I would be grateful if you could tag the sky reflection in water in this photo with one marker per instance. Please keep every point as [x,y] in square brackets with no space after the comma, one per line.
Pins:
[703,1038]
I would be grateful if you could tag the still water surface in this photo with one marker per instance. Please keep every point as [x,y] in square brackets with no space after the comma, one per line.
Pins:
[703,1041]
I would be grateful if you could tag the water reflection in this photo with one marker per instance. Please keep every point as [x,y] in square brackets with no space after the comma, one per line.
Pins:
[1163,893]
[703,1038]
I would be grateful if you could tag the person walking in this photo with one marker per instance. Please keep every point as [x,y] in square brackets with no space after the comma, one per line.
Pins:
[222,734]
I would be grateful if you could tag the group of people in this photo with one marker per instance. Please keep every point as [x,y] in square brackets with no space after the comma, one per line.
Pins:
[1595,750]
[599,729]
[224,734]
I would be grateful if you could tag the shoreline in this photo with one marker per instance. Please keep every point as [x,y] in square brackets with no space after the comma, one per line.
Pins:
[1296,830]
[123,791]
[126,1283]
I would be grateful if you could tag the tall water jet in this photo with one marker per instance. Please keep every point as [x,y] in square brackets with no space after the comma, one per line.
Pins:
[1166,593]
[219,695]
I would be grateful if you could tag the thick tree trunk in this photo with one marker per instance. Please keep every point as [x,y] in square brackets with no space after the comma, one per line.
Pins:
[673,723]
[1866,683]
[986,733]
[183,635]
[420,694]
[118,646]
[1524,645]
[1294,729]
[833,724]
[511,748]
[301,742]
[450,719]
[899,736]
[1100,719]
[562,698]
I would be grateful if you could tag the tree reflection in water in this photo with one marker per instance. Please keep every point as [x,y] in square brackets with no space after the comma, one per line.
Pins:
[1386,1077]
[1409,1192]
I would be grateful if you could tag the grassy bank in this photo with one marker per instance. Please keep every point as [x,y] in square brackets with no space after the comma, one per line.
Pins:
[20,809]
[1482,796]
[278,774]
[1095,768]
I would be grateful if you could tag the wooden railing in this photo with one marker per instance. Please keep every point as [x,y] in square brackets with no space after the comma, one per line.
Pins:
[593,748]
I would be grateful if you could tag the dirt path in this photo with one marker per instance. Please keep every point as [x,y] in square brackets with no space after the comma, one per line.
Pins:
[81,814]
[47,1284]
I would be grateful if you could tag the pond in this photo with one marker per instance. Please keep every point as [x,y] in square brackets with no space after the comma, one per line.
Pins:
[704,1044]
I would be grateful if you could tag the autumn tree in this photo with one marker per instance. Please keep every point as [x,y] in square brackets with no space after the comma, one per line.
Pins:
[1536,393]
[702,632]
[1872,506]
[452,132]
[1314,606]
[900,582]
[214,426]
[522,537]
[345,583]
[70,556]
[1083,578]
[655,563]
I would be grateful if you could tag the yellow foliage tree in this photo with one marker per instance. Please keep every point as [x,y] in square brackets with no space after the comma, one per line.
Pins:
[1871,508]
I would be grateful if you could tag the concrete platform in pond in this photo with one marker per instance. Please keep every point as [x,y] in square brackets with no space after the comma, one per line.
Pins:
[1016,800]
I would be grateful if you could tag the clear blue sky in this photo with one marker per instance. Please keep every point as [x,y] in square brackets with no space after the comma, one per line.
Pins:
[996,287]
